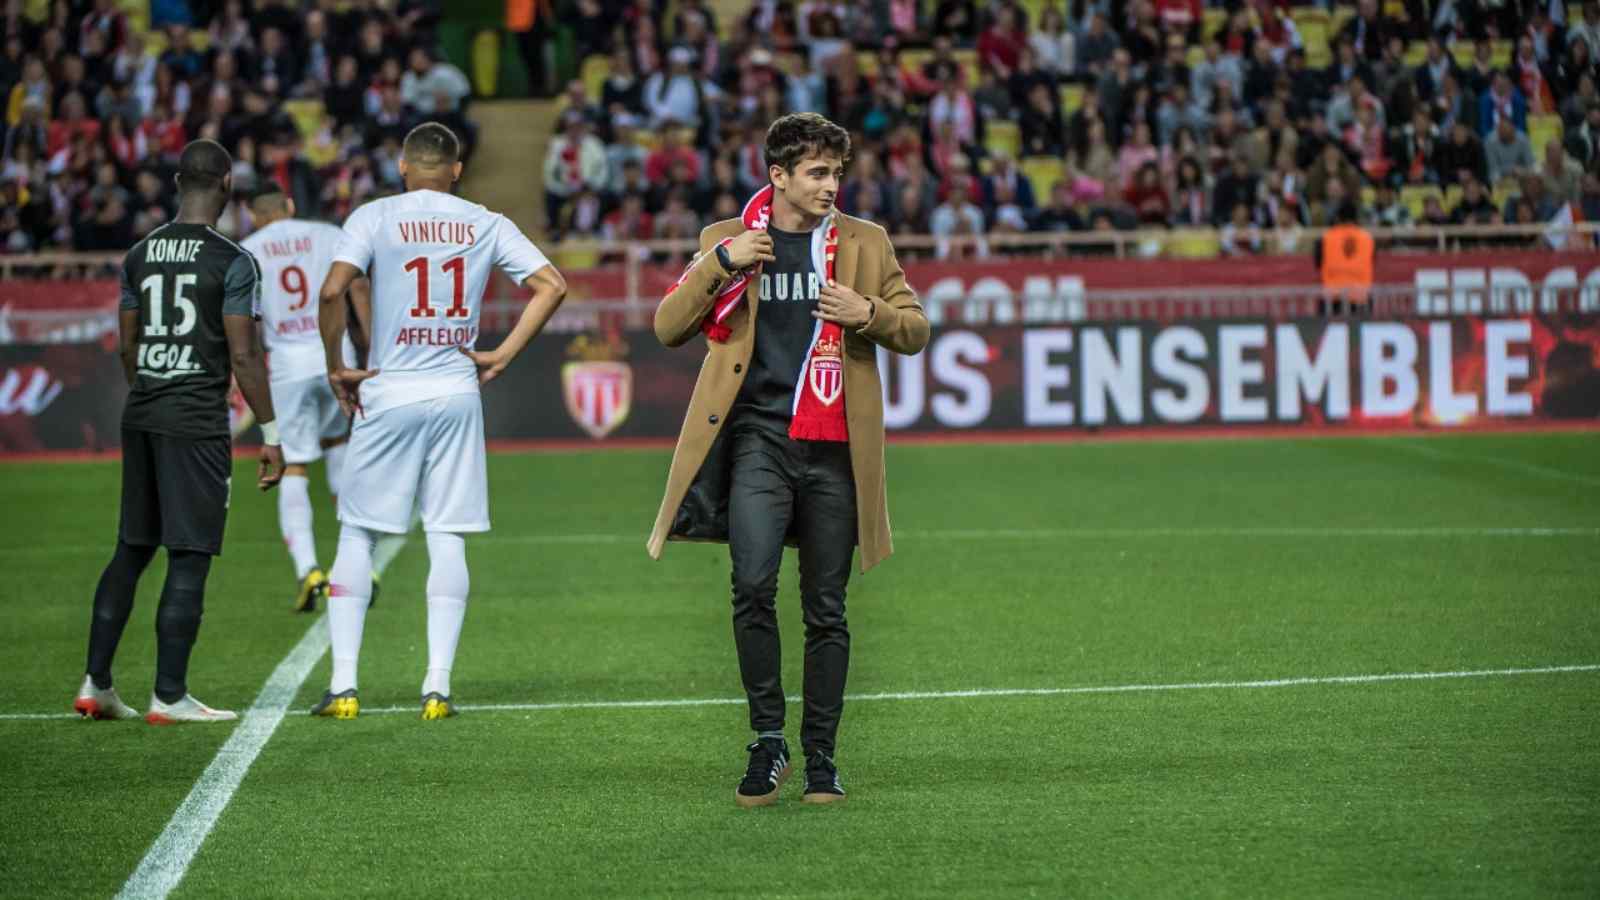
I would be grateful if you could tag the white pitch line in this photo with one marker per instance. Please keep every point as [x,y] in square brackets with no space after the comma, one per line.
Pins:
[974,692]
[163,867]
[1025,692]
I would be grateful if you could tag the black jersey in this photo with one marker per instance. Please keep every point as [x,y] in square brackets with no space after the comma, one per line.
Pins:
[183,279]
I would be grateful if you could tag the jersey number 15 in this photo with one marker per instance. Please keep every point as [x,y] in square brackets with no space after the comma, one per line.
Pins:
[155,322]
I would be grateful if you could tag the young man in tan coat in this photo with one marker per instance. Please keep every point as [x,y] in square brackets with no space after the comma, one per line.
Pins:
[783,440]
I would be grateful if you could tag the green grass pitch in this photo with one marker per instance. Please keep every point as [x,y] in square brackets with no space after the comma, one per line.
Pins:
[1041,566]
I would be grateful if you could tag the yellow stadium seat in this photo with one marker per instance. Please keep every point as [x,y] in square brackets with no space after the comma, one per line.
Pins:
[1415,195]
[1502,193]
[1452,197]
[1213,21]
[306,115]
[1003,137]
[1314,35]
[1416,53]
[1033,9]
[1542,129]
[569,260]
[1195,56]
[596,69]
[1500,55]
[1194,243]
[1071,98]
[485,62]
[969,65]
[867,63]
[1042,172]
[1338,18]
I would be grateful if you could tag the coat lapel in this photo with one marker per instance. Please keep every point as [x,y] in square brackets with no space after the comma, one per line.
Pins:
[844,260]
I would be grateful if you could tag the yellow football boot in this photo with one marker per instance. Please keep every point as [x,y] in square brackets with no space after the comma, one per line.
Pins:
[343,705]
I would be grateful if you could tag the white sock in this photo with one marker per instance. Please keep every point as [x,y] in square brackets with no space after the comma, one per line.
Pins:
[333,458]
[348,595]
[447,607]
[294,519]
[389,546]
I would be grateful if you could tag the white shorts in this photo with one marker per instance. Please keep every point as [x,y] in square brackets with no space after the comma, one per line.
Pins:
[307,415]
[429,453]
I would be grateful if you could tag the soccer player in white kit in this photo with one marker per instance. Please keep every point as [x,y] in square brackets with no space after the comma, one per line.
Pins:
[294,256]
[418,431]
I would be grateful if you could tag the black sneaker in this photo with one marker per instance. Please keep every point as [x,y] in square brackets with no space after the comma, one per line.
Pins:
[768,770]
[822,780]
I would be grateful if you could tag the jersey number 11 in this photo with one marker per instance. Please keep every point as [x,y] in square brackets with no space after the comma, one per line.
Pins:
[457,268]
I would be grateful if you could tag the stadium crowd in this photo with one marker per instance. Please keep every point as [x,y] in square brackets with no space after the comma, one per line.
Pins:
[992,117]
[969,116]
[96,112]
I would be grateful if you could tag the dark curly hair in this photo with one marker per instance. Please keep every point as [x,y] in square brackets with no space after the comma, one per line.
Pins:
[798,136]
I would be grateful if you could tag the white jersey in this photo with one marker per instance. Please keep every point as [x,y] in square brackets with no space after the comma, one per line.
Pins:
[294,256]
[429,256]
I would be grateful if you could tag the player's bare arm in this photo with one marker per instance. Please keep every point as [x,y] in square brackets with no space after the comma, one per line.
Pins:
[250,371]
[346,382]
[549,289]
[361,304]
[128,342]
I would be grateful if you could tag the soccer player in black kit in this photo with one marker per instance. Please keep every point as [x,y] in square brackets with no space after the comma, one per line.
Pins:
[188,325]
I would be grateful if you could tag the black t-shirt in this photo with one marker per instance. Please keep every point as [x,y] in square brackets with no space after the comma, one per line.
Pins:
[183,279]
[789,288]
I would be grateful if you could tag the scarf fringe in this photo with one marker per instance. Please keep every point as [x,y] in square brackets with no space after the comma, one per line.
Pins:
[811,429]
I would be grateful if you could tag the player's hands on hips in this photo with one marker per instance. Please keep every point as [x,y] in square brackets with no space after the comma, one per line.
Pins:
[750,248]
[837,303]
[490,363]
[271,471]
[346,384]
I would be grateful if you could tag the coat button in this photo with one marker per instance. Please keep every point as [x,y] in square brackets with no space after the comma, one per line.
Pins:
[713,419]
[737,368]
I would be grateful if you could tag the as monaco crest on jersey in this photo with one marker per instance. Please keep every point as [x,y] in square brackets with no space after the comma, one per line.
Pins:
[598,389]
[827,372]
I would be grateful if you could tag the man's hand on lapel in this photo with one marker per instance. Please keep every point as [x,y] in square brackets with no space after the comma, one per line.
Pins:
[840,304]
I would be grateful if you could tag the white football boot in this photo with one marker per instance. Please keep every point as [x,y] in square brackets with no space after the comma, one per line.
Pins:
[186,710]
[93,703]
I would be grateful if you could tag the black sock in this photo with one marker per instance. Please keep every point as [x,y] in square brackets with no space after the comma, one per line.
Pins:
[113,601]
[178,621]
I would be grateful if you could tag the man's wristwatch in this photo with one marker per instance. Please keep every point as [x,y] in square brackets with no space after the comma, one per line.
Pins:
[724,258]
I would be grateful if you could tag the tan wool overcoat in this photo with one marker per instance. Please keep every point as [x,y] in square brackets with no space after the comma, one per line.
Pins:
[695,507]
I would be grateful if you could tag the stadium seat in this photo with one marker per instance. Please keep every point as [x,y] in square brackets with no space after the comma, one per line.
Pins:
[1071,98]
[596,69]
[1214,20]
[571,260]
[1338,18]
[1003,137]
[1032,9]
[1452,197]
[1314,35]
[1415,195]
[485,61]
[1543,129]
[1042,172]
[1416,53]
[305,113]
[1194,243]
[867,63]
[1369,195]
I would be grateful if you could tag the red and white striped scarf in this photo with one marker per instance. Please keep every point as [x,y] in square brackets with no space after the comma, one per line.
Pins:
[819,393]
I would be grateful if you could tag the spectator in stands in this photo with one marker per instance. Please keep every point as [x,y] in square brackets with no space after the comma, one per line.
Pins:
[1059,215]
[671,152]
[911,210]
[679,94]
[958,217]
[1430,75]
[1001,44]
[1387,210]
[954,104]
[1332,167]
[1191,196]
[1530,78]
[1589,200]
[429,80]
[1533,192]
[1508,153]
[629,222]
[1235,188]
[1098,160]
[574,161]
[957,19]
[1413,149]
[1006,215]
[1587,31]
[1005,177]
[1041,129]
[1475,206]
[1240,236]
[1433,214]
[993,99]
[1098,44]
[1148,197]
[1461,157]
[1276,136]
[1562,175]
[1054,45]
[1502,102]
[1347,64]
[1575,106]
[1583,142]
[1366,140]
